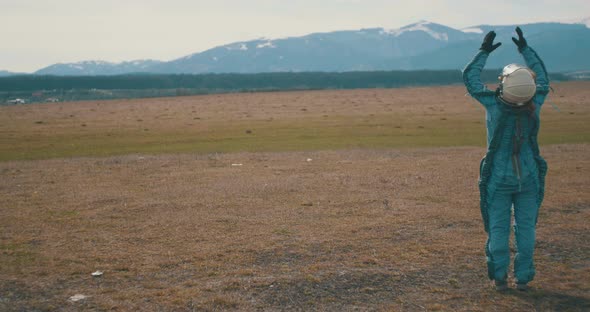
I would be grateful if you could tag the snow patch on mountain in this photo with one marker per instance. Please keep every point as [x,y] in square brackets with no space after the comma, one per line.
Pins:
[268,44]
[238,46]
[98,67]
[90,63]
[473,30]
[584,21]
[420,26]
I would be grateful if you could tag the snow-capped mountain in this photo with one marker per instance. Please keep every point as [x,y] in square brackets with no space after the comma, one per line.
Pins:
[364,49]
[423,45]
[90,68]
[563,47]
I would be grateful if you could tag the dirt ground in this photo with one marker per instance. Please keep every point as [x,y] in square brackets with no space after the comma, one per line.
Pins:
[346,229]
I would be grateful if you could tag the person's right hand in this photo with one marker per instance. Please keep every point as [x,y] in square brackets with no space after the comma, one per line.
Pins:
[488,42]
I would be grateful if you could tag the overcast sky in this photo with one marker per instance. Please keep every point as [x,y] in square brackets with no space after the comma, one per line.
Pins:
[38,33]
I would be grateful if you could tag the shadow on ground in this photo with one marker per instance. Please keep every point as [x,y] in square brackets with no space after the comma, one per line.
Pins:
[546,300]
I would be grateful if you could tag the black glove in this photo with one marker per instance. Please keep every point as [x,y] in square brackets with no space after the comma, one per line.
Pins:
[488,43]
[520,42]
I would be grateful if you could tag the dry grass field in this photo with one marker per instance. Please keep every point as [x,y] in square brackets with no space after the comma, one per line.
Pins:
[324,200]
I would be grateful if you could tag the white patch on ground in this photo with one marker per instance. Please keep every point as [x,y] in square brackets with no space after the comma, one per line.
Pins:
[215,58]
[77,297]
[474,30]
[420,26]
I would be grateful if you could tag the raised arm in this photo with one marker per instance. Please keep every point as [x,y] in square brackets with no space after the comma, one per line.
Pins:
[472,72]
[534,62]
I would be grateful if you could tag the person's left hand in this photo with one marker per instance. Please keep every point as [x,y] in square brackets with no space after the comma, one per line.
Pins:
[520,42]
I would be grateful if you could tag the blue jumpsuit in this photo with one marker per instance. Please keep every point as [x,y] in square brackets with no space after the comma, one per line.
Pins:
[512,173]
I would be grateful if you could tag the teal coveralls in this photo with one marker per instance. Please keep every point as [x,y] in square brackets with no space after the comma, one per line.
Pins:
[512,173]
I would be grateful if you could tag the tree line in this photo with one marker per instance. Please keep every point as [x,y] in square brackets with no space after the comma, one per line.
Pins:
[215,83]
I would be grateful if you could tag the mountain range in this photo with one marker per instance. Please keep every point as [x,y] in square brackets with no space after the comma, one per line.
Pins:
[4,73]
[564,47]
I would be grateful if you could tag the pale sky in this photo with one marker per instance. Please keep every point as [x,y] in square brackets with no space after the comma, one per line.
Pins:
[38,33]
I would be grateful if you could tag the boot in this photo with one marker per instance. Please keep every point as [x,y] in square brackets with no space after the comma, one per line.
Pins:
[501,285]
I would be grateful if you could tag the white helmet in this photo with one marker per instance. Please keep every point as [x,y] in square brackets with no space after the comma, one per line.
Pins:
[518,85]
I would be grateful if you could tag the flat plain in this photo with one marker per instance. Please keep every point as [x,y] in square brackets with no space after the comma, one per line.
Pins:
[311,200]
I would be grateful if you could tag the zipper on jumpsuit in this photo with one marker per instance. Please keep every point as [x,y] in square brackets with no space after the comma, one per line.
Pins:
[516,144]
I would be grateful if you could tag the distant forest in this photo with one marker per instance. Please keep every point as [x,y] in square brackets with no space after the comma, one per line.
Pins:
[148,85]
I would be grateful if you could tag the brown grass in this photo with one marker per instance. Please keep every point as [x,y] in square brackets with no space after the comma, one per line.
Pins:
[353,229]
[290,121]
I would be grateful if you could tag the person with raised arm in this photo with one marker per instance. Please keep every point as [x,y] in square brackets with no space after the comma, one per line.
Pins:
[512,173]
